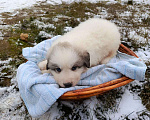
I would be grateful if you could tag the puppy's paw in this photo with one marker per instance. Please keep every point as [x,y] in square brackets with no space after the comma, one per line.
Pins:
[45,71]
[42,65]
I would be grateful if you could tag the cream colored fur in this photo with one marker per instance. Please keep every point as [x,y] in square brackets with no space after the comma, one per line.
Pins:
[98,37]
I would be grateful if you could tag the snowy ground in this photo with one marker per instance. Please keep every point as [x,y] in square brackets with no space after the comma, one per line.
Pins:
[120,104]
[11,5]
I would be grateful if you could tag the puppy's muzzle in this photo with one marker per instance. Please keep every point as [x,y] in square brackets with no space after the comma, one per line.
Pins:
[67,85]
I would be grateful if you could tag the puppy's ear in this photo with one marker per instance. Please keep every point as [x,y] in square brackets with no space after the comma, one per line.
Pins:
[47,66]
[86,59]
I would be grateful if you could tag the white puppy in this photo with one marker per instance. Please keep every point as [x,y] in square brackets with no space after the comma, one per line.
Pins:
[93,42]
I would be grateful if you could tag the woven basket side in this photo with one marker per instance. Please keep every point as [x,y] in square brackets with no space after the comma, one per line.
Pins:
[88,90]
[126,50]
[86,94]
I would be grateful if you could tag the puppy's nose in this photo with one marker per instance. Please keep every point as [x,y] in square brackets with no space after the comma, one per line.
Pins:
[67,85]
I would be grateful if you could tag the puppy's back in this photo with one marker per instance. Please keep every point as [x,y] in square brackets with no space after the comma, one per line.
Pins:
[96,36]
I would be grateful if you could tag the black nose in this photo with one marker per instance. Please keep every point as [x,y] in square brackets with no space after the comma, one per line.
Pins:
[67,85]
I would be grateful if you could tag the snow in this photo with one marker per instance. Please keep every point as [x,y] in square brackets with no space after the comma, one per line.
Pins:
[11,5]
[44,34]
[43,25]
[67,29]
[94,1]
[128,106]
[6,61]
[144,55]
[10,103]
[2,90]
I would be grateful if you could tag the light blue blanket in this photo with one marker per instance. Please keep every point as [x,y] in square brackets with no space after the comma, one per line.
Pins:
[39,91]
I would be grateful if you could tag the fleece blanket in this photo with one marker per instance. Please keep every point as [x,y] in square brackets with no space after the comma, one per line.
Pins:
[40,91]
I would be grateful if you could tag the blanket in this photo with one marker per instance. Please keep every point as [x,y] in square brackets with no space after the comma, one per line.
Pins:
[40,91]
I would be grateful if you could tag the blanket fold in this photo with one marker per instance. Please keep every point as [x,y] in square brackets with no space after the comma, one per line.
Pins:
[40,91]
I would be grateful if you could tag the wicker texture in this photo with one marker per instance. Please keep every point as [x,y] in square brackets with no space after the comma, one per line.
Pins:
[102,88]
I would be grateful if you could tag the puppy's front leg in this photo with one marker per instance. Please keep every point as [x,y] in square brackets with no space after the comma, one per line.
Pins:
[42,66]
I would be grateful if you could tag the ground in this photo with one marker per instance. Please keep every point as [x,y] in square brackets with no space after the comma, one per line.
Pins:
[44,21]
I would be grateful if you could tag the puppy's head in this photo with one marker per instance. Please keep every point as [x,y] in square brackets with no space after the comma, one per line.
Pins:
[67,63]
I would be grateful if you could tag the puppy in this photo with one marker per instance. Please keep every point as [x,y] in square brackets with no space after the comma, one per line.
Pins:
[93,42]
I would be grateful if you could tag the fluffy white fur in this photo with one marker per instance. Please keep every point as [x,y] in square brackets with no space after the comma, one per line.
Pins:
[93,42]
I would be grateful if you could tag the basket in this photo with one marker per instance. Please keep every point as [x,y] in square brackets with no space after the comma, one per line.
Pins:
[102,88]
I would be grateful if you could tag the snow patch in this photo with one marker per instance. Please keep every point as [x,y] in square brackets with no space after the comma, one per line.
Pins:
[43,34]
[67,29]
[128,106]
[144,55]
[42,24]
[2,90]
[11,5]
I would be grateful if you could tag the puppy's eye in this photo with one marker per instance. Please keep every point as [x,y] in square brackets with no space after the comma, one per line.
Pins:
[57,70]
[74,68]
